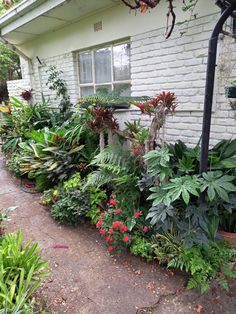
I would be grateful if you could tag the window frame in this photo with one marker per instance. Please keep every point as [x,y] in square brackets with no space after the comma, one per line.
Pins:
[92,49]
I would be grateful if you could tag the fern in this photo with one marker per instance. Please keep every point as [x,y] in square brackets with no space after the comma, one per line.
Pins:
[115,165]
[98,178]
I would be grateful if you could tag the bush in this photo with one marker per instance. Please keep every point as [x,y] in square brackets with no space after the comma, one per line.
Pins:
[70,207]
[21,273]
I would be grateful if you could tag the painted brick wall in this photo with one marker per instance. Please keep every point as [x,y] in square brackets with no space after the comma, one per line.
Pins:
[15,87]
[179,65]
[67,64]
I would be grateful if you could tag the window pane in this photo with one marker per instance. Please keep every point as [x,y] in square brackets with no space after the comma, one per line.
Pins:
[102,65]
[85,67]
[122,89]
[104,89]
[121,62]
[87,90]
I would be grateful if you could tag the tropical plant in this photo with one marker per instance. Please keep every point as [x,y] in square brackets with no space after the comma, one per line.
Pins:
[21,272]
[176,187]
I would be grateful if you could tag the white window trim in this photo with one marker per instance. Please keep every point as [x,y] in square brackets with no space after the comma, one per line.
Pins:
[93,84]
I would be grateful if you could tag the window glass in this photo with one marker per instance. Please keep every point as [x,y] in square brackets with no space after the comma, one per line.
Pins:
[105,89]
[85,67]
[105,69]
[123,89]
[121,62]
[102,59]
[86,90]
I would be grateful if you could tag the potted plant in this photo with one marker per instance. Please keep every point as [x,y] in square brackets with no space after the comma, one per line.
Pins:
[227,220]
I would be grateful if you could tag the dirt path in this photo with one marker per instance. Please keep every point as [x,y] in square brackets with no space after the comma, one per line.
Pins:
[85,279]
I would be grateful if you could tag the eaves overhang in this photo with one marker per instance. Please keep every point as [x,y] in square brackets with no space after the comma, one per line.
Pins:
[33,18]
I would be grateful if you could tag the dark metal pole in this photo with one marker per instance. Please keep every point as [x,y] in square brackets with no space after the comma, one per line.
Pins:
[209,88]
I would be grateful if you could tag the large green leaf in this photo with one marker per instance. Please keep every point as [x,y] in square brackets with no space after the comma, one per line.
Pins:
[215,183]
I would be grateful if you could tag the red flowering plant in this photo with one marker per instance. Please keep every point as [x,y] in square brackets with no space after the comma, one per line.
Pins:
[158,108]
[27,94]
[117,224]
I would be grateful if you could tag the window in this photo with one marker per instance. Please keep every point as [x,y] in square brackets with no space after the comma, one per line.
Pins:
[105,69]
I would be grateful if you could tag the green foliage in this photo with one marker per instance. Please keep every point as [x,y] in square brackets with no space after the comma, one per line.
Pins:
[13,163]
[114,163]
[50,155]
[165,248]
[9,63]
[217,184]
[73,183]
[182,187]
[142,246]
[58,84]
[205,263]
[158,163]
[97,199]
[70,207]
[20,273]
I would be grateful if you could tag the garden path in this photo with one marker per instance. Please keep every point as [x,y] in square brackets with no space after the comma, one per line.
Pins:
[85,279]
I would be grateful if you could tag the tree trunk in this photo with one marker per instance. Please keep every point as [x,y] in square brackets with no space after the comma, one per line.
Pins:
[101,140]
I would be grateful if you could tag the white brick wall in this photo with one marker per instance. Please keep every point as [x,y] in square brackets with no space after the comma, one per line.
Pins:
[16,87]
[177,64]
[67,64]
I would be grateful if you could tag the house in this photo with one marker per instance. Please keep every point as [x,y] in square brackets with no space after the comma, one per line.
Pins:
[102,44]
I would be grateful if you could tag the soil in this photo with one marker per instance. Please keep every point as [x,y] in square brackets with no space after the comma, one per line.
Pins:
[86,279]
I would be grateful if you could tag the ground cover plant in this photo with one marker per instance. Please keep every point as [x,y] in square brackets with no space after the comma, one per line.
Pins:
[146,199]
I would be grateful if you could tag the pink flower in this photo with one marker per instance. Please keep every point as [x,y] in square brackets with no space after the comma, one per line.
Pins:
[137,214]
[102,231]
[110,248]
[126,238]
[102,214]
[123,228]
[145,229]
[108,239]
[111,231]
[112,202]
[116,224]
[117,211]
[99,223]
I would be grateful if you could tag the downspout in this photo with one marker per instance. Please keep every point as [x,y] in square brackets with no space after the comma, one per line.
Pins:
[209,88]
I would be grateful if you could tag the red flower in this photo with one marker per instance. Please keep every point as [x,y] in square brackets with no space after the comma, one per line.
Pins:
[108,239]
[110,248]
[112,202]
[117,211]
[111,231]
[116,224]
[102,214]
[123,228]
[145,229]
[99,223]
[137,214]
[126,238]
[102,231]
